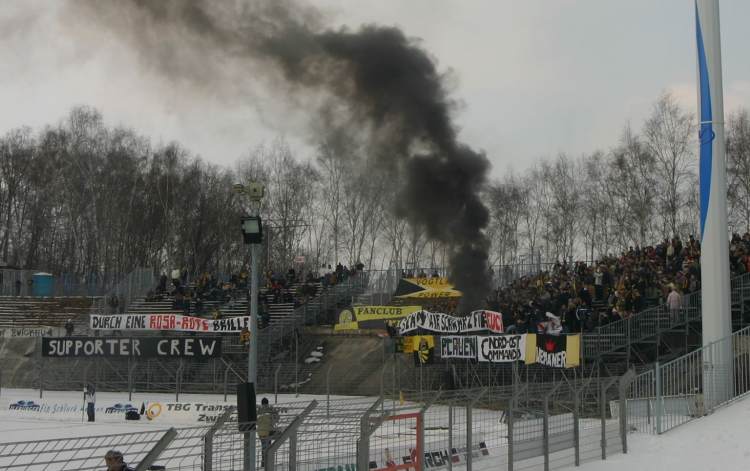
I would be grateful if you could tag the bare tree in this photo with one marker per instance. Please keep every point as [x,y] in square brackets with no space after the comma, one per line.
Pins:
[668,137]
[507,202]
[738,169]
[595,206]
[532,216]
[632,190]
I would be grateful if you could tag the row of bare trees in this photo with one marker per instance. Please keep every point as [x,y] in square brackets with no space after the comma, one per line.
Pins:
[641,191]
[81,197]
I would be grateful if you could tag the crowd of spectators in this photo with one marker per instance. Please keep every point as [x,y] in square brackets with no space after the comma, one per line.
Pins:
[206,287]
[584,296]
[191,296]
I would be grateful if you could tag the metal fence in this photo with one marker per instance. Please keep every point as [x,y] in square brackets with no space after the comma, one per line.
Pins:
[130,287]
[543,426]
[655,322]
[691,386]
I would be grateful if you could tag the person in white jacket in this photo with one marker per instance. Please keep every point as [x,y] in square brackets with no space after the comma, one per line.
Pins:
[554,325]
[674,301]
[89,397]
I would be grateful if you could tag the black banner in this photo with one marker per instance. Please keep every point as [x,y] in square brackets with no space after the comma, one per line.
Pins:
[551,350]
[458,346]
[141,347]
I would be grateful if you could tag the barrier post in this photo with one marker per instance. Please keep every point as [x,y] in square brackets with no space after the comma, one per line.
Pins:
[625,381]
[450,437]
[276,385]
[382,389]
[545,424]
[657,412]
[328,391]
[41,377]
[131,370]
[157,450]
[469,407]
[365,429]
[178,374]
[226,380]
[578,397]
[603,413]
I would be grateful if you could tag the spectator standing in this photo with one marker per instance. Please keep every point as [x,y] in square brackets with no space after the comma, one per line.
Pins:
[162,286]
[69,328]
[267,419]
[598,284]
[674,301]
[554,325]
[89,397]
[245,337]
[18,288]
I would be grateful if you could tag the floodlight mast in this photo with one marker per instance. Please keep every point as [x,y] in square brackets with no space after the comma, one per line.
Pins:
[716,314]
[254,191]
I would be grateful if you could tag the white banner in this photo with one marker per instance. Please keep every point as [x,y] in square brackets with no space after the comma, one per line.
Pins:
[69,408]
[501,348]
[477,321]
[14,332]
[175,322]
[29,407]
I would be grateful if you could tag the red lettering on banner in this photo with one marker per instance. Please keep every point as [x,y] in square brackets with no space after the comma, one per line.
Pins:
[494,321]
[162,321]
[194,323]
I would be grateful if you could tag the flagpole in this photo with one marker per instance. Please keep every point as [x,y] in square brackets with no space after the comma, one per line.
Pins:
[716,311]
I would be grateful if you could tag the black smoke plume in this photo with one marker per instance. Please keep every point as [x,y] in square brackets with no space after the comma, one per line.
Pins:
[382,80]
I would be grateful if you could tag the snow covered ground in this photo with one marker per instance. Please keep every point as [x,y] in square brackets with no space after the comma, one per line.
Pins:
[60,415]
[719,442]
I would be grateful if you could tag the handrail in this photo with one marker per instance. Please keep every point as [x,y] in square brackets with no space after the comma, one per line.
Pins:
[649,322]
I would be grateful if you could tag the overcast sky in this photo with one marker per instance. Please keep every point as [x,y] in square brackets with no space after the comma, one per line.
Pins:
[535,77]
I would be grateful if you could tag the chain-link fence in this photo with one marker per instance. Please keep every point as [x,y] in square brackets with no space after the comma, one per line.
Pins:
[525,425]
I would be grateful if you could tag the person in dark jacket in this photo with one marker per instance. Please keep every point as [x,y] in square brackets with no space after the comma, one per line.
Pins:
[69,328]
[115,461]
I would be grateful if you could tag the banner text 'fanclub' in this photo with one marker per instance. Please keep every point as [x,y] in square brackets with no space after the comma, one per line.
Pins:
[146,347]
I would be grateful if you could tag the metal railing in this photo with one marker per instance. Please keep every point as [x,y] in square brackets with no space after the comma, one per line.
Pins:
[651,323]
[692,385]
[133,285]
[87,453]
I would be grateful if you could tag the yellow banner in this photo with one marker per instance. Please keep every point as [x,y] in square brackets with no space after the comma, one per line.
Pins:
[371,317]
[412,343]
[426,288]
